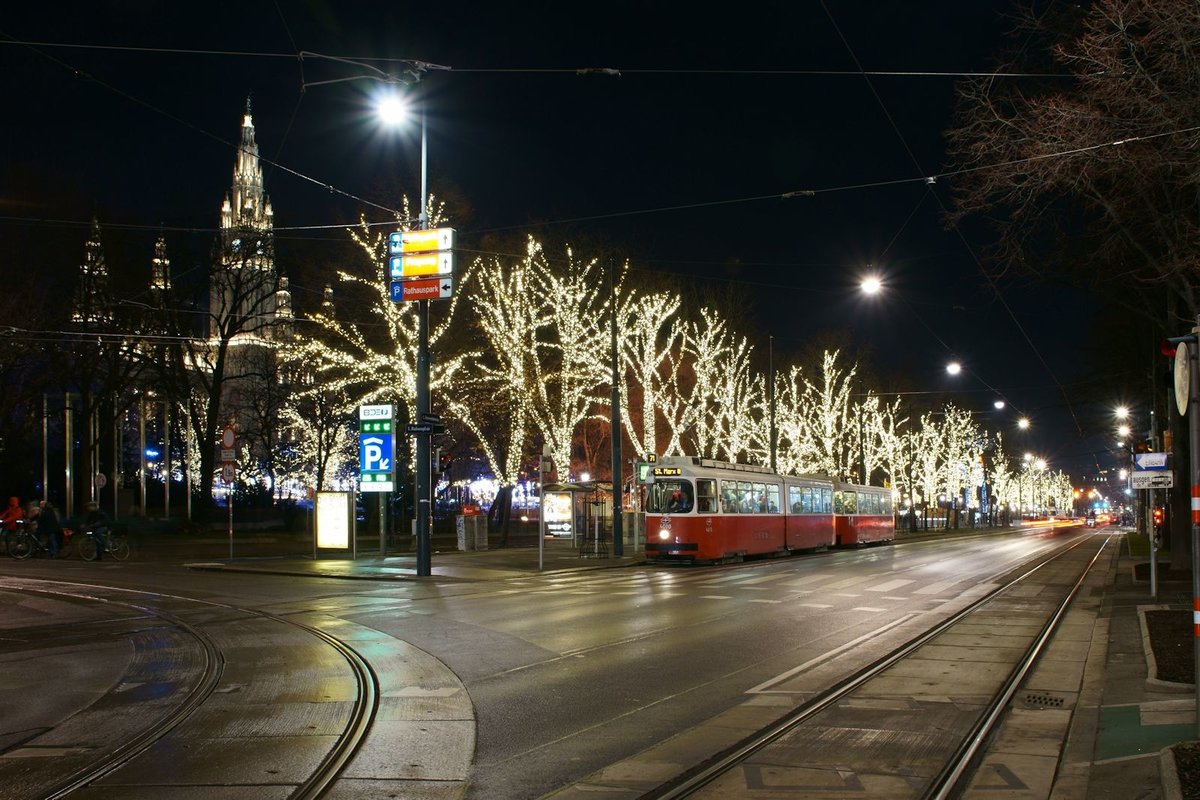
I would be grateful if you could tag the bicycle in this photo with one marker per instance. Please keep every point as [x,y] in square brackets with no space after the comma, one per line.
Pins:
[114,544]
[25,542]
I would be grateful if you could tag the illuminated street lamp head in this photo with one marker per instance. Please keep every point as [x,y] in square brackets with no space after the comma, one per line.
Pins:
[1023,423]
[1123,431]
[391,107]
[1029,456]
[871,285]
[954,368]
[1122,412]
[998,404]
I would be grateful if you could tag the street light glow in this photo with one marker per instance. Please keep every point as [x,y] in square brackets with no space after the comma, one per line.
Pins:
[1023,423]
[998,404]
[1122,412]
[871,285]
[954,368]
[1123,431]
[391,108]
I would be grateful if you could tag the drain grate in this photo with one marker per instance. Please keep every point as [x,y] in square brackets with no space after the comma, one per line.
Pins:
[1043,701]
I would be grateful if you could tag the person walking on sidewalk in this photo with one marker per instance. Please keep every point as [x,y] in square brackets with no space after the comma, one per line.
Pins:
[50,527]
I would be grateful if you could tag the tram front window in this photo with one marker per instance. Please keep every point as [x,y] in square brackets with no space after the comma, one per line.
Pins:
[670,497]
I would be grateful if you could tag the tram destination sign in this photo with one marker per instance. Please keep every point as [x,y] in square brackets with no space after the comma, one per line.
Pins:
[1152,479]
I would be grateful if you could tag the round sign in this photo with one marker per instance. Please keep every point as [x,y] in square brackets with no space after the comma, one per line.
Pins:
[228,437]
[228,473]
[100,480]
[1183,380]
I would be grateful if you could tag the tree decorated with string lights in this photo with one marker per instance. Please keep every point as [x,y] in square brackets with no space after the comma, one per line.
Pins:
[652,334]
[813,417]
[570,366]
[373,360]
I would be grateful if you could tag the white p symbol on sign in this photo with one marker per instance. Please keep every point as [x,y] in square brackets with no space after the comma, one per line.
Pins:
[372,454]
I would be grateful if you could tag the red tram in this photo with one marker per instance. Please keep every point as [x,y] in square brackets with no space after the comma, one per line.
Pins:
[701,510]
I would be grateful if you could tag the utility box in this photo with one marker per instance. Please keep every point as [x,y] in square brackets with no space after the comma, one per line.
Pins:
[472,532]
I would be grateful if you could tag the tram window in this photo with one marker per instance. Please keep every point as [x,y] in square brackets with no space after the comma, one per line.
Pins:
[827,501]
[670,497]
[845,503]
[811,499]
[796,499]
[885,504]
[870,504]
[745,497]
[772,498]
[706,495]
[758,498]
[729,497]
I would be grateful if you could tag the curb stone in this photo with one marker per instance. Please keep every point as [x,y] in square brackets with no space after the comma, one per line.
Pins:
[1168,774]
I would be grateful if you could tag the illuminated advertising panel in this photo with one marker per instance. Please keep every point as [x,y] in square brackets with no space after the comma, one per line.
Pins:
[558,510]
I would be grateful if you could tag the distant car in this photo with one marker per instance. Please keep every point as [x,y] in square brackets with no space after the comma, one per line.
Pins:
[1091,522]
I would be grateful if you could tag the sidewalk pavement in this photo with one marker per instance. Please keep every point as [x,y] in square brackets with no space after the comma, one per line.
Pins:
[1127,719]
[1123,724]
[472,565]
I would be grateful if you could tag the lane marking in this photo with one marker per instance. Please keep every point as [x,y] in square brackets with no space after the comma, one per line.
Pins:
[890,585]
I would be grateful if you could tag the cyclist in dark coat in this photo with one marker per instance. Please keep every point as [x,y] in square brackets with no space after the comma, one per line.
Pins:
[97,522]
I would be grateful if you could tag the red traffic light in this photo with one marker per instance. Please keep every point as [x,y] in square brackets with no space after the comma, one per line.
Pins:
[1166,348]
[1158,515]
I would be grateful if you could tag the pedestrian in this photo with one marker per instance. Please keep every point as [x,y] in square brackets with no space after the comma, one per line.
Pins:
[10,518]
[97,522]
[50,527]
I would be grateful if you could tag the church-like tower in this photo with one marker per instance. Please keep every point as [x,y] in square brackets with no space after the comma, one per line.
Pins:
[92,304]
[160,273]
[245,280]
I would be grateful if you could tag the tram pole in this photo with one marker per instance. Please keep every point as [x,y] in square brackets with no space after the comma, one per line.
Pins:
[1193,407]
[615,428]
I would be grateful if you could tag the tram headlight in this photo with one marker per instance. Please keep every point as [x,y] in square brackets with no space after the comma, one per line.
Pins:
[664,533]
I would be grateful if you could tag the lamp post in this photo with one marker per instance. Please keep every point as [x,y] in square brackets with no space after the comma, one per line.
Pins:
[423,477]
[390,108]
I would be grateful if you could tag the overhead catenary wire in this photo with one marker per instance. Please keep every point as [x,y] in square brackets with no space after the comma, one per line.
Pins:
[970,250]
[787,195]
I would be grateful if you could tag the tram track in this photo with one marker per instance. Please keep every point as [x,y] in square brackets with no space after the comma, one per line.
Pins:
[207,682]
[773,751]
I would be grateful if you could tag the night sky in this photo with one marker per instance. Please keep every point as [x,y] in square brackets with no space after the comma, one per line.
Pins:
[681,162]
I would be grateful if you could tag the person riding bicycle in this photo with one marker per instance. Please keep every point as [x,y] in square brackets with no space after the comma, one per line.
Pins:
[10,517]
[97,522]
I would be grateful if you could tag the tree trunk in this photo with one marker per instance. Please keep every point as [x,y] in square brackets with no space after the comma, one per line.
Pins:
[499,514]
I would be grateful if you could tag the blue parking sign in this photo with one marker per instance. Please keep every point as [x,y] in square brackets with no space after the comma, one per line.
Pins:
[375,460]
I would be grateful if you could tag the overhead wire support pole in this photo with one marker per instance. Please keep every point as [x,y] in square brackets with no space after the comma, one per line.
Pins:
[1188,349]
[423,476]
[618,533]
[1193,405]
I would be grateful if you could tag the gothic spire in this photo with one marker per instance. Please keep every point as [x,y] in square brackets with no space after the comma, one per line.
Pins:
[93,301]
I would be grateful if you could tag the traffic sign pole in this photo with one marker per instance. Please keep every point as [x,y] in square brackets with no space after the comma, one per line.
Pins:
[1194,429]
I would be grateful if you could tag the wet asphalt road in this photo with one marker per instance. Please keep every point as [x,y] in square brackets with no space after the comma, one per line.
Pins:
[564,673]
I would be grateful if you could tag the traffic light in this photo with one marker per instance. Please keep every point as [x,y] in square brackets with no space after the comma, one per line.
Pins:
[444,460]
[1158,516]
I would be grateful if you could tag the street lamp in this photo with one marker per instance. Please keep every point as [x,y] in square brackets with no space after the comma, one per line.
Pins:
[392,109]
